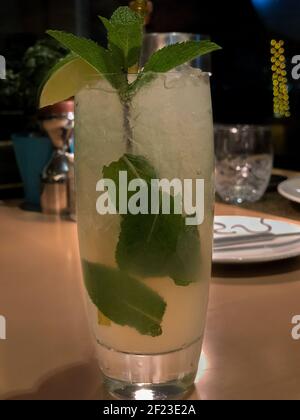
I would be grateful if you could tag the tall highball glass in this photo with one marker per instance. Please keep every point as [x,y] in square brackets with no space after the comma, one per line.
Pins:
[145,196]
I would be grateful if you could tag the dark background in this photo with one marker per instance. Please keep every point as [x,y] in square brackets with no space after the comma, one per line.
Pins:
[242,78]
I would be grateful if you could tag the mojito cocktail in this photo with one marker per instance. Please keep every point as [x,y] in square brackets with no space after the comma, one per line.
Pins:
[145,193]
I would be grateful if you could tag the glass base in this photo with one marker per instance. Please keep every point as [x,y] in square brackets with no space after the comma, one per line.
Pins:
[175,390]
[150,377]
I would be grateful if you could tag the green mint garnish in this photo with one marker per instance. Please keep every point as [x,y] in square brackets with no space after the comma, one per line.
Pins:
[154,245]
[123,299]
[170,57]
[125,37]
[135,166]
[178,54]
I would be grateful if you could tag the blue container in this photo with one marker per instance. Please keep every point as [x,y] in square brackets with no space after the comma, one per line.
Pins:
[32,154]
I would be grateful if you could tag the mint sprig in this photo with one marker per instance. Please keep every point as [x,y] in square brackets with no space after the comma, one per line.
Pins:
[124,32]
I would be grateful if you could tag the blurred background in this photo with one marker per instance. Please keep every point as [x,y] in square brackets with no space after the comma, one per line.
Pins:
[242,83]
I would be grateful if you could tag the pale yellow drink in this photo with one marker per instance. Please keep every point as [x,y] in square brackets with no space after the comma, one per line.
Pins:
[171,121]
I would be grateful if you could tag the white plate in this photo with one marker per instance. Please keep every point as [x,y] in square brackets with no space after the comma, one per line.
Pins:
[279,249]
[290,189]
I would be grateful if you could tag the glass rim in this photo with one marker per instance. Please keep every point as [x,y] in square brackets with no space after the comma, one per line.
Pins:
[90,80]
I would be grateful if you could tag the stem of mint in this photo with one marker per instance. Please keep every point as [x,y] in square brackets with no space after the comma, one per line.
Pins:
[128,134]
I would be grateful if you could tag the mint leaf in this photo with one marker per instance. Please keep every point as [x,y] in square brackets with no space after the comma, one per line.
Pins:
[117,53]
[175,55]
[147,243]
[154,245]
[126,16]
[95,55]
[123,299]
[135,166]
[125,36]
[169,58]
[184,265]
[159,245]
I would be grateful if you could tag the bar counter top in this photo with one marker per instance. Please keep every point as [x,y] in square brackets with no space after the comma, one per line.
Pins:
[248,351]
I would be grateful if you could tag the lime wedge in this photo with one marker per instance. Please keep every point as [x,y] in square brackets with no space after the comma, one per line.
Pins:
[66,79]
[103,320]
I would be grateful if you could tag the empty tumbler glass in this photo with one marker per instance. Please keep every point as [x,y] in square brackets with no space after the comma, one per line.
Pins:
[244,162]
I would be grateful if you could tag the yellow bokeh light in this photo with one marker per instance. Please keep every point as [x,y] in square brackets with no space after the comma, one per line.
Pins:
[281,103]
